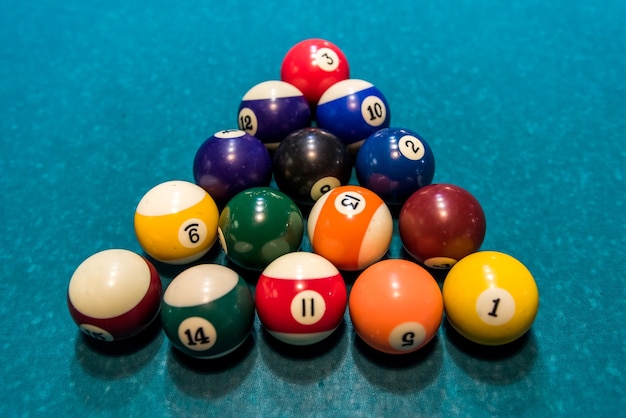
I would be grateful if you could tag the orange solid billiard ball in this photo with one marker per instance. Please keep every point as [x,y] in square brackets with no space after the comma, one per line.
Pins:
[396,306]
[490,298]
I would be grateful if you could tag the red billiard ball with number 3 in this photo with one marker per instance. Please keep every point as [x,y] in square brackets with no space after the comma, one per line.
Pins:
[313,65]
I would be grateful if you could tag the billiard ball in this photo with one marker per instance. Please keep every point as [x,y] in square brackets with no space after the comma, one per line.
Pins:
[350,226]
[207,311]
[313,65]
[176,222]
[395,306]
[229,162]
[259,225]
[441,223]
[301,298]
[353,109]
[394,163]
[490,298]
[309,162]
[273,109]
[114,294]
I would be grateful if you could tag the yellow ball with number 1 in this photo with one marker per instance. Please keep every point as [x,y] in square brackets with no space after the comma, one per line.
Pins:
[176,222]
[490,298]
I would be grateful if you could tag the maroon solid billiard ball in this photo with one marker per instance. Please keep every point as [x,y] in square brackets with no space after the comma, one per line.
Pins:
[273,109]
[301,298]
[309,162]
[313,65]
[440,224]
[114,294]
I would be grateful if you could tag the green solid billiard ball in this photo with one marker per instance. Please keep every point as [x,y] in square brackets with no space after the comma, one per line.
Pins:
[207,311]
[259,225]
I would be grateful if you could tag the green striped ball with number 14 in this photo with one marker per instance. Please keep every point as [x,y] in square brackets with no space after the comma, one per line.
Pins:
[207,311]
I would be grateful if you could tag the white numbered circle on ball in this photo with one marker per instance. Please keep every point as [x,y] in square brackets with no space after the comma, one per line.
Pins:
[326,59]
[440,263]
[323,186]
[308,307]
[349,203]
[248,121]
[96,332]
[411,147]
[229,133]
[495,306]
[197,333]
[407,336]
[373,111]
[222,239]
[192,233]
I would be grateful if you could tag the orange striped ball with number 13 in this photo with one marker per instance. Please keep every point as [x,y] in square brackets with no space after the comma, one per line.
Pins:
[351,227]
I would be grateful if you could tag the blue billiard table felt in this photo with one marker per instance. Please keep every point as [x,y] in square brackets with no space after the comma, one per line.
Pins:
[523,103]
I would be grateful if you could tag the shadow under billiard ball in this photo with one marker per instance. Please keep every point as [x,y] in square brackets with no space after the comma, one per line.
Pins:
[304,363]
[95,355]
[212,378]
[502,364]
[98,363]
[399,373]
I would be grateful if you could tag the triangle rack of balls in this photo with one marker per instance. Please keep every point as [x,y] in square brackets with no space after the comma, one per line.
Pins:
[307,188]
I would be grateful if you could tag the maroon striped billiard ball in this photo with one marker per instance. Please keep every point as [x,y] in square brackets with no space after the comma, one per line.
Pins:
[114,294]
[301,298]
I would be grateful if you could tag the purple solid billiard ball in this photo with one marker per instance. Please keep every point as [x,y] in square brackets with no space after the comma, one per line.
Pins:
[273,109]
[309,162]
[394,163]
[353,109]
[229,162]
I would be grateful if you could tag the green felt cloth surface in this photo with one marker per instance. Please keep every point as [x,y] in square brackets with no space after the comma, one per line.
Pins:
[523,103]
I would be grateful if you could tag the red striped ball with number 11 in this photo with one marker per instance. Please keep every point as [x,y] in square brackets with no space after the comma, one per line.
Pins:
[301,298]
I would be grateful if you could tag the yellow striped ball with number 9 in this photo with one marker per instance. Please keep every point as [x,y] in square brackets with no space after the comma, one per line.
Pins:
[176,222]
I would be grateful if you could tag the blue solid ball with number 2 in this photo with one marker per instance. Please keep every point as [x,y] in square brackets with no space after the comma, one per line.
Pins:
[394,163]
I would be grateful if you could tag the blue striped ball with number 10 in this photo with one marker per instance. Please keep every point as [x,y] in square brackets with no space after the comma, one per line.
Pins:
[353,109]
